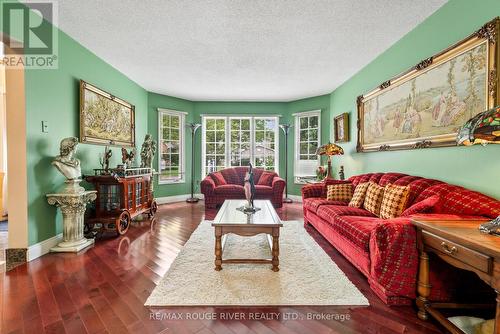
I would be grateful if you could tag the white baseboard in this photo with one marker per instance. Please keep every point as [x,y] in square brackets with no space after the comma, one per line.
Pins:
[295,198]
[177,198]
[43,247]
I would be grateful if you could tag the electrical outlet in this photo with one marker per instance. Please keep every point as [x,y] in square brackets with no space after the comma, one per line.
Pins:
[45,126]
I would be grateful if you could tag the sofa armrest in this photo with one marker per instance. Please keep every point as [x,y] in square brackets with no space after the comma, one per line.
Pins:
[312,190]
[278,184]
[394,257]
[207,186]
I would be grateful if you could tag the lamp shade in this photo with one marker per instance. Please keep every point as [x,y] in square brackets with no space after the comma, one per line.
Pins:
[483,128]
[329,150]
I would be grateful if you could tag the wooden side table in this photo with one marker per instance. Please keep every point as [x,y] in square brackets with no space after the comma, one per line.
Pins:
[459,243]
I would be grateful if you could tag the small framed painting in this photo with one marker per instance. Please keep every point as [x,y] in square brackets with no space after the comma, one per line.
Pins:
[341,128]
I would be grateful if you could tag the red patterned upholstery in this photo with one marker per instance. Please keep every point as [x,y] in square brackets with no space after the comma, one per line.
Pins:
[313,190]
[263,191]
[425,206]
[355,229]
[313,203]
[342,210]
[391,261]
[216,194]
[394,258]
[231,176]
[218,178]
[232,190]
[266,179]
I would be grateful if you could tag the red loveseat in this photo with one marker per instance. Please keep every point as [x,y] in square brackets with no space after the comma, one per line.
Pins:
[385,250]
[228,184]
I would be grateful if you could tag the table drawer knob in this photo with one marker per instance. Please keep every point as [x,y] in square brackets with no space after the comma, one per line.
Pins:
[450,250]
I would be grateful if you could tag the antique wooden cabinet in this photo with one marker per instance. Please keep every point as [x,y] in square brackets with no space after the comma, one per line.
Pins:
[122,194]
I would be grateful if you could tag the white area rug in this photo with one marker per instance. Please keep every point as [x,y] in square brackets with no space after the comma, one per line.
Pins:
[307,275]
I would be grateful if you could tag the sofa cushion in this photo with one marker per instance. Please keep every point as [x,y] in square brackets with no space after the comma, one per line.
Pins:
[359,195]
[339,192]
[266,179]
[231,176]
[373,198]
[230,190]
[422,207]
[218,178]
[263,190]
[313,203]
[394,201]
[328,212]
[356,229]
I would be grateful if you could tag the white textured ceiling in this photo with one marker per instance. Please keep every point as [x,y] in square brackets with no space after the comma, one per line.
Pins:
[246,50]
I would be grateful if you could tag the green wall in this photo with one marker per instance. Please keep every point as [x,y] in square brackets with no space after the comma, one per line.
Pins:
[53,96]
[156,101]
[472,167]
[313,103]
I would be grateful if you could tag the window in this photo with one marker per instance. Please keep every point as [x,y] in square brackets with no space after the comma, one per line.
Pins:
[237,141]
[215,144]
[307,135]
[171,146]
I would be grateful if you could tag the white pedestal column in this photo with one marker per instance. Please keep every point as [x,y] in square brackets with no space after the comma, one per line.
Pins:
[73,206]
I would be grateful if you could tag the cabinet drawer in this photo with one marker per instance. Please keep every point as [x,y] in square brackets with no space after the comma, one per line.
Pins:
[466,255]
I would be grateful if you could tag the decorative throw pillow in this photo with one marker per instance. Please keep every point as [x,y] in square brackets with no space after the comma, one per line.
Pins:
[423,206]
[373,198]
[218,178]
[329,181]
[266,179]
[394,201]
[359,195]
[339,192]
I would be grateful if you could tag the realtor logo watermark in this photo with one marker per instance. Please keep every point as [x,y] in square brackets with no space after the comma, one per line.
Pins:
[30,34]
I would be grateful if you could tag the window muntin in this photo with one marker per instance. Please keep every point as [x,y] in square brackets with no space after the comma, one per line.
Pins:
[307,141]
[230,141]
[171,146]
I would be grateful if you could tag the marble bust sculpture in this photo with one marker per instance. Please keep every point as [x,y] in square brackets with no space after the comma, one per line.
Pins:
[71,199]
[65,162]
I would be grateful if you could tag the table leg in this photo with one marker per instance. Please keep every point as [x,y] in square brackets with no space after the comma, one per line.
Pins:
[497,316]
[276,249]
[424,288]
[218,248]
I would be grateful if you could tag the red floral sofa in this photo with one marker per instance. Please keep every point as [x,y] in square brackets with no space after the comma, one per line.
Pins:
[385,250]
[228,184]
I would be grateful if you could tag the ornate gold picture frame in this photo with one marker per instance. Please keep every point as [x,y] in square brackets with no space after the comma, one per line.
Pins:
[341,128]
[104,118]
[425,105]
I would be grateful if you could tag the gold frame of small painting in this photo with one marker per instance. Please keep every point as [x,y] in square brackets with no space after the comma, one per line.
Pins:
[341,128]
[426,105]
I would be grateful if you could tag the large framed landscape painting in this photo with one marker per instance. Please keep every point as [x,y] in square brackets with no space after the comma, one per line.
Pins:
[105,119]
[425,106]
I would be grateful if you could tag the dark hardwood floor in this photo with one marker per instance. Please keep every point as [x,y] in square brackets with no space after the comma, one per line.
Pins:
[103,290]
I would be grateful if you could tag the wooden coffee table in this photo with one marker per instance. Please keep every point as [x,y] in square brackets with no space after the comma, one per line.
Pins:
[230,220]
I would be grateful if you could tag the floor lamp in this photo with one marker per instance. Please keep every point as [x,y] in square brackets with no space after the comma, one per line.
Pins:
[193,127]
[286,130]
